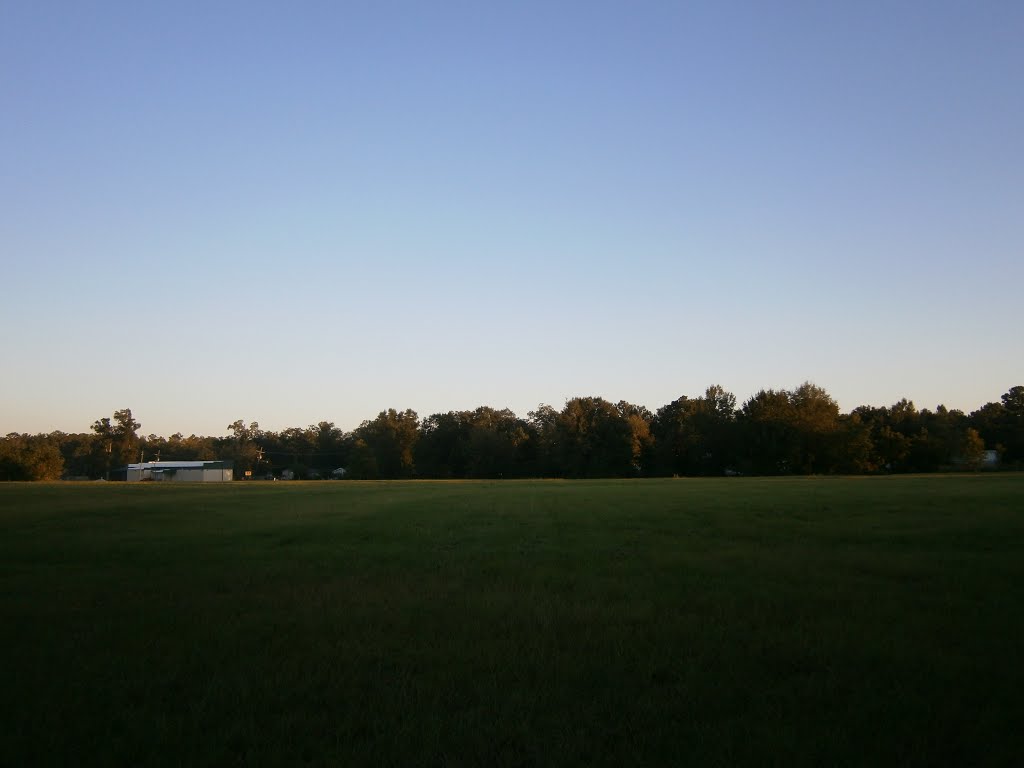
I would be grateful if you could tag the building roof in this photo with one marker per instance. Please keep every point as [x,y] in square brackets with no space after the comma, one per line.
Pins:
[162,465]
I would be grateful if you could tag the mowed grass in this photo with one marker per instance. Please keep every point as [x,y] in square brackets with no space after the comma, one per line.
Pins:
[869,621]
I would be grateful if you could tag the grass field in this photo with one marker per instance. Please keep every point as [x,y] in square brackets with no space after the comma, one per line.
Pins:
[872,621]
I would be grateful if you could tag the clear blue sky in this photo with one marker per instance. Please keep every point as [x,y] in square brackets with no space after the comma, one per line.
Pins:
[303,211]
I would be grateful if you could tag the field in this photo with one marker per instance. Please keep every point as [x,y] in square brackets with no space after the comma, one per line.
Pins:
[723,622]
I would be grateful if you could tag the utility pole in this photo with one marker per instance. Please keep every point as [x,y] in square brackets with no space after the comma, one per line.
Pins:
[259,458]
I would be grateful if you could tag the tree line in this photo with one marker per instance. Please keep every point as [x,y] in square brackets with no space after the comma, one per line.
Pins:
[775,432]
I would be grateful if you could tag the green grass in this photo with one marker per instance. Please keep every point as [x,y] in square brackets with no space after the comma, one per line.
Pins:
[872,621]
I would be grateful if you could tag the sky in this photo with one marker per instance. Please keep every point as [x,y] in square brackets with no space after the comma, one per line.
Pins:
[297,212]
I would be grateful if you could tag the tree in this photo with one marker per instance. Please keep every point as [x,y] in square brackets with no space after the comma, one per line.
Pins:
[495,443]
[332,447]
[855,450]
[299,448]
[941,440]
[1001,425]
[991,423]
[641,439]
[594,439]
[441,448]
[678,444]
[1013,401]
[697,436]
[30,457]
[543,449]
[891,432]
[817,426]
[192,448]
[242,448]
[1013,424]
[971,449]
[391,439]
[769,436]
[119,440]
[77,452]
[791,432]
[362,464]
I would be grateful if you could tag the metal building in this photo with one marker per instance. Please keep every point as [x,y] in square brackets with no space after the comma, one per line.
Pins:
[181,471]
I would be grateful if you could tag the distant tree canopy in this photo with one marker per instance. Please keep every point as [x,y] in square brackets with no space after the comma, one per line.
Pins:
[774,432]
[31,457]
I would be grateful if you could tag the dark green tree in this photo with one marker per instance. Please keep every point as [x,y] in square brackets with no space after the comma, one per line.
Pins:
[816,417]
[391,438]
[119,440]
[332,447]
[767,425]
[442,445]
[1013,425]
[30,457]
[594,439]
[243,448]
[496,443]
[697,436]
[543,454]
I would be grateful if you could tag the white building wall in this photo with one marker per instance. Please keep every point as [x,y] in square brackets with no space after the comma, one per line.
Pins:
[171,473]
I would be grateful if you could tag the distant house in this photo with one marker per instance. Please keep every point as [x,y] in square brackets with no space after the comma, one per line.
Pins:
[181,471]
